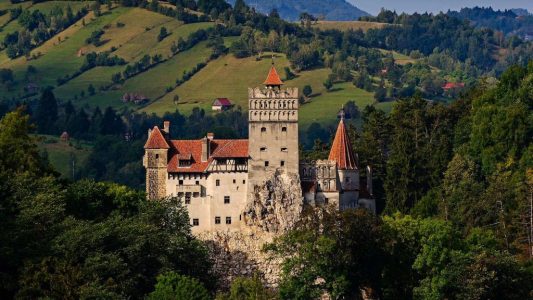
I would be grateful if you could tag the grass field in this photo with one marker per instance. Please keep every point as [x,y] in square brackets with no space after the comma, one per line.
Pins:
[231,77]
[399,58]
[152,83]
[324,108]
[59,59]
[44,7]
[349,25]
[64,155]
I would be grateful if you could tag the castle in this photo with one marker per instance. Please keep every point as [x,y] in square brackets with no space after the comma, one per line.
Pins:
[214,178]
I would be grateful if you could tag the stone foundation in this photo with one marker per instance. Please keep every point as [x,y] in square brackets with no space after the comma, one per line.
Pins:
[272,209]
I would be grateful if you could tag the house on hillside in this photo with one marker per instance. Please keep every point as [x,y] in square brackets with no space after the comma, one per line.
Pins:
[452,86]
[221,104]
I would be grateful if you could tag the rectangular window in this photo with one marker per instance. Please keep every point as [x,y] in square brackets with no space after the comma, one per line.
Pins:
[234,181]
[217,220]
[188,198]
[266,163]
[195,222]
[244,182]
[180,182]
[226,200]
[197,182]
[228,220]
[283,163]
[218,182]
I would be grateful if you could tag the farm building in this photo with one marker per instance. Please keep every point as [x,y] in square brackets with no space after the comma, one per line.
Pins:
[222,104]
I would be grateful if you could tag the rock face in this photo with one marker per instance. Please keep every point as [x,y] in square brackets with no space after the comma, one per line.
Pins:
[276,206]
[272,209]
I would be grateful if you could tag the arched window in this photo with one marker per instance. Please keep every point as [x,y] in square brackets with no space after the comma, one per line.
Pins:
[283,129]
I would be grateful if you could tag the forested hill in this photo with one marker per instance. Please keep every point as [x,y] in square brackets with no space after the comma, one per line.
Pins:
[335,10]
[518,22]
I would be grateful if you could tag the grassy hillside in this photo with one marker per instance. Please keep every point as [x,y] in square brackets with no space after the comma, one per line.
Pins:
[64,156]
[131,33]
[230,77]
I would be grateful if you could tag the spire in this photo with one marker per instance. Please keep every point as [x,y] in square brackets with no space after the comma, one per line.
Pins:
[341,150]
[273,77]
[156,140]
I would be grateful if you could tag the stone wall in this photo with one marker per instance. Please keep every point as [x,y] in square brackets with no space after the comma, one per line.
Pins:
[272,209]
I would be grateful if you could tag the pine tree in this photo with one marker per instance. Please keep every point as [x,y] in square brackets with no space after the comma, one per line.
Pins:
[46,113]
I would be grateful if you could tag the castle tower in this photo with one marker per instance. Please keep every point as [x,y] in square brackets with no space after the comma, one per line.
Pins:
[342,153]
[155,161]
[273,129]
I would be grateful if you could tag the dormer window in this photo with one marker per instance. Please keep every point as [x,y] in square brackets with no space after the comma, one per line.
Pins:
[184,163]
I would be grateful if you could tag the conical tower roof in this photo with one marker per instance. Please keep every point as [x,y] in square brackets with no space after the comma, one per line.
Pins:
[156,140]
[341,150]
[273,78]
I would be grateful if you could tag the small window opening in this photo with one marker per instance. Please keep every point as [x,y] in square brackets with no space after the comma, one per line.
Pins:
[195,222]
[217,220]
[266,163]
[228,220]
[226,200]
[217,183]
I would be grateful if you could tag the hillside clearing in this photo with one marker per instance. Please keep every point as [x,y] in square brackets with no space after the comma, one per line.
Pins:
[64,156]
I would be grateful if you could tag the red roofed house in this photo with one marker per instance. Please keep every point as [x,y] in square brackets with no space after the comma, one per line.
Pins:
[453,85]
[215,178]
[221,104]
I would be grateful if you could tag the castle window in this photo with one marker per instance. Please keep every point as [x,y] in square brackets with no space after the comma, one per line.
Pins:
[243,181]
[197,182]
[217,220]
[228,220]
[226,199]
[263,149]
[157,156]
[263,129]
[187,198]
[217,182]
[283,129]
[282,163]
[180,182]
[195,222]
[283,149]
[266,163]
[234,181]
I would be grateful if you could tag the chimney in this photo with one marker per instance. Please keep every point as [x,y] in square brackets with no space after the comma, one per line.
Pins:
[166,127]
[210,136]
[369,180]
[206,148]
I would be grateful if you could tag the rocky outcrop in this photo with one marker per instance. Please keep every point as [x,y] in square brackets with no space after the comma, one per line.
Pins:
[276,205]
[273,208]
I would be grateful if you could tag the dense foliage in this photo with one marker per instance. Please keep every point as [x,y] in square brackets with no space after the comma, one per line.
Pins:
[83,239]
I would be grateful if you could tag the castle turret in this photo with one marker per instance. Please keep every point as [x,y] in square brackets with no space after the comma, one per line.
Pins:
[342,153]
[155,161]
[273,129]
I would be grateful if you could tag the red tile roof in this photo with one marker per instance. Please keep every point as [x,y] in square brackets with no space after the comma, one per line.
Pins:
[222,102]
[453,85]
[273,77]
[341,150]
[156,140]
[192,150]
